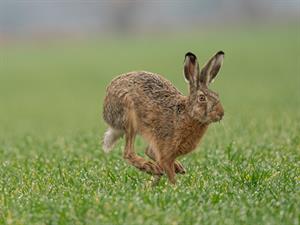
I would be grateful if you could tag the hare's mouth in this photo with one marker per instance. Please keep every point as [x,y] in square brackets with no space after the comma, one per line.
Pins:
[216,116]
[217,113]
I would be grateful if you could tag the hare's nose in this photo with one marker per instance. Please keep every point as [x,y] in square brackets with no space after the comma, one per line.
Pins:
[221,114]
[220,110]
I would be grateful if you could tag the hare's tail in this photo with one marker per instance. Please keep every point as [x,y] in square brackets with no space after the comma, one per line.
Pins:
[110,138]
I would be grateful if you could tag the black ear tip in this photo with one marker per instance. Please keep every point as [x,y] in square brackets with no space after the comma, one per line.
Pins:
[221,53]
[190,54]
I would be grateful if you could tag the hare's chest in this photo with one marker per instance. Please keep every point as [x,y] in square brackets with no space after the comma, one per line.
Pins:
[189,139]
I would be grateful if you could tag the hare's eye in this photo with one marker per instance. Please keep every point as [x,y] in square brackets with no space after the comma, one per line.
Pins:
[201,98]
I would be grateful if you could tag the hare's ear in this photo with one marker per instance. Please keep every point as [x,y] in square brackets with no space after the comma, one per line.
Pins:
[211,69]
[191,69]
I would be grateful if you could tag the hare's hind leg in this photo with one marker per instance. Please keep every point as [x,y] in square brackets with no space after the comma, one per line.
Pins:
[177,165]
[134,159]
[150,153]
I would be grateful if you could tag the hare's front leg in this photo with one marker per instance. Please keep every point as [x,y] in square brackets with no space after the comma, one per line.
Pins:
[168,167]
[177,165]
[135,160]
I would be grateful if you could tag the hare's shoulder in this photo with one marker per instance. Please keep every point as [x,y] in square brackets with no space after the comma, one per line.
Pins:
[155,91]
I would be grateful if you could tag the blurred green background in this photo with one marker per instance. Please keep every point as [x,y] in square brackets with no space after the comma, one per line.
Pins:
[58,86]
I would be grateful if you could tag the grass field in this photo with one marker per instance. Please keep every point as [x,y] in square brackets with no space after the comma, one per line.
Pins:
[52,167]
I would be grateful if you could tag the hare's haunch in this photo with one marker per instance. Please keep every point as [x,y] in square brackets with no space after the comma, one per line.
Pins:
[145,103]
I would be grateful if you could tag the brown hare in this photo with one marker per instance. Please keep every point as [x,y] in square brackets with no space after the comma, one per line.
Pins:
[145,103]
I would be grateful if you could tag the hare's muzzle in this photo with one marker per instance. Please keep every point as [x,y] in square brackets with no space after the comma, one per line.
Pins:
[219,111]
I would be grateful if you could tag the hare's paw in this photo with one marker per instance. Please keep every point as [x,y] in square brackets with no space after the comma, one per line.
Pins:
[179,168]
[153,168]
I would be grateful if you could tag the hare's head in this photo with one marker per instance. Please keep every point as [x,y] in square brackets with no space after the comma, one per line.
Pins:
[203,105]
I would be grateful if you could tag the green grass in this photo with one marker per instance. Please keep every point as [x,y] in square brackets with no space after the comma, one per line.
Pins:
[52,167]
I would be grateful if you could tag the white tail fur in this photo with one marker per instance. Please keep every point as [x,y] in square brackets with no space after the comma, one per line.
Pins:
[110,138]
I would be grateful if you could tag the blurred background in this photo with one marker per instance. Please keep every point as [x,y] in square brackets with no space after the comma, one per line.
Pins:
[57,57]
[49,19]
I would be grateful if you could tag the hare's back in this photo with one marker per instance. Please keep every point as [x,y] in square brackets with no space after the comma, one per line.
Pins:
[142,83]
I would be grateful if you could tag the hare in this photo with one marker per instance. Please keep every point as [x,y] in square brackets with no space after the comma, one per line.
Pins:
[145,103]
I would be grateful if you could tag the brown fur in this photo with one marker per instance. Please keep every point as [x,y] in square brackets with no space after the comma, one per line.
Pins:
[145,103]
